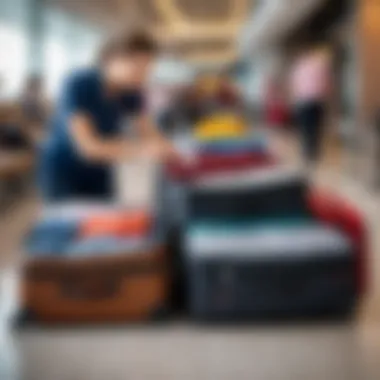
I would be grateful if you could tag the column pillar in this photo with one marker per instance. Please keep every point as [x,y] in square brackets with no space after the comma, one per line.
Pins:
[35,27]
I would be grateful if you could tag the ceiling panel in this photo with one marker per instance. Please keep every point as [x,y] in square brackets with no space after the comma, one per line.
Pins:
[209,10]
[102,12]
[192,37]
[149,12]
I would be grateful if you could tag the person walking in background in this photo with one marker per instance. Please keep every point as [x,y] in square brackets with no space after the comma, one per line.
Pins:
[309,88]
[276,115]
[229,94]
[276,107]
[34,109]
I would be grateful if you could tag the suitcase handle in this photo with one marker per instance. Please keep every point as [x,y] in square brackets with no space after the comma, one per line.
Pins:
[90,289]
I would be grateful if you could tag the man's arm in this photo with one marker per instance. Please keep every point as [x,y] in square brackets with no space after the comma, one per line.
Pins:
[149,132]
[95,148]
[147,128]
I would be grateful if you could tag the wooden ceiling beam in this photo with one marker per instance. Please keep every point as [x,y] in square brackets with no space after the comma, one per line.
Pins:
[175,18]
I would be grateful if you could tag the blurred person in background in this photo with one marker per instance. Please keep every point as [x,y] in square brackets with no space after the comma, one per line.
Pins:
[186,110]
[173,107]
[215,93]
[229,94]
[277,114]
[276,106]
[34,108]
[87,129]
[310,81]
[12,134]
[205,91]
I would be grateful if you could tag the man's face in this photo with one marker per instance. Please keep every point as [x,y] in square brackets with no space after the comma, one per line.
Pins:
[131,71]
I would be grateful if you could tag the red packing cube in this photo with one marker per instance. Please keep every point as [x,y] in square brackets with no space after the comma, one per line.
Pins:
[132,223]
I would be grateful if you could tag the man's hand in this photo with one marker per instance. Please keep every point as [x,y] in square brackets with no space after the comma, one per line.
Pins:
[156,146]
[171,152]
[160,150]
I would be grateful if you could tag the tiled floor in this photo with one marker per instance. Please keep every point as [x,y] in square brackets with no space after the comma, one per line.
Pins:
[186,352]
[344,351]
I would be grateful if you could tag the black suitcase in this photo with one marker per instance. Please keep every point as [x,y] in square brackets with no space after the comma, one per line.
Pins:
[261,193]
[273,271]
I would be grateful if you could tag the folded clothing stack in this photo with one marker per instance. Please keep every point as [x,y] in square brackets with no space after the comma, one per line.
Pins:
[218,156]
[100,231]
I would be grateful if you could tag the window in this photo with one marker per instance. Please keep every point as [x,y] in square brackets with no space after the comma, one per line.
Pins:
[13,41]
[68,43]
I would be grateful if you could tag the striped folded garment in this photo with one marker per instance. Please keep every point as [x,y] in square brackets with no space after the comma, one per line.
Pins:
[51,237]
[206,164]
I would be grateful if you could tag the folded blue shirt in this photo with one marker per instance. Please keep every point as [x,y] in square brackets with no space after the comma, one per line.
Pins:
[51,237]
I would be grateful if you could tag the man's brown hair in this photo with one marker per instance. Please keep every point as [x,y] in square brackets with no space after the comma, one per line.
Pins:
[128,43]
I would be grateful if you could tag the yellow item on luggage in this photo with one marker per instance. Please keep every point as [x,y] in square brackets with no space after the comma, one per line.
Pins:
[221,126]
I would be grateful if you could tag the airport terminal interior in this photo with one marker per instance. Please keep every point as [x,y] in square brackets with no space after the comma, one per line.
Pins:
[189,189]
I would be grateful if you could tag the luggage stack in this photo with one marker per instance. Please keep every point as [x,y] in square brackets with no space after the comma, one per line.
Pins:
[244,238]
[221,142]
[237,152]
[216,154]
[94,264]
[257,246]
[224,142]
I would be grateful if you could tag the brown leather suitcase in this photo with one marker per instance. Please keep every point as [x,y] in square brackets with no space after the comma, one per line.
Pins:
[118,288]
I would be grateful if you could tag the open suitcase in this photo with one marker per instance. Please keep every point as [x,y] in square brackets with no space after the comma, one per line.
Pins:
[95,279]
[124,287]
